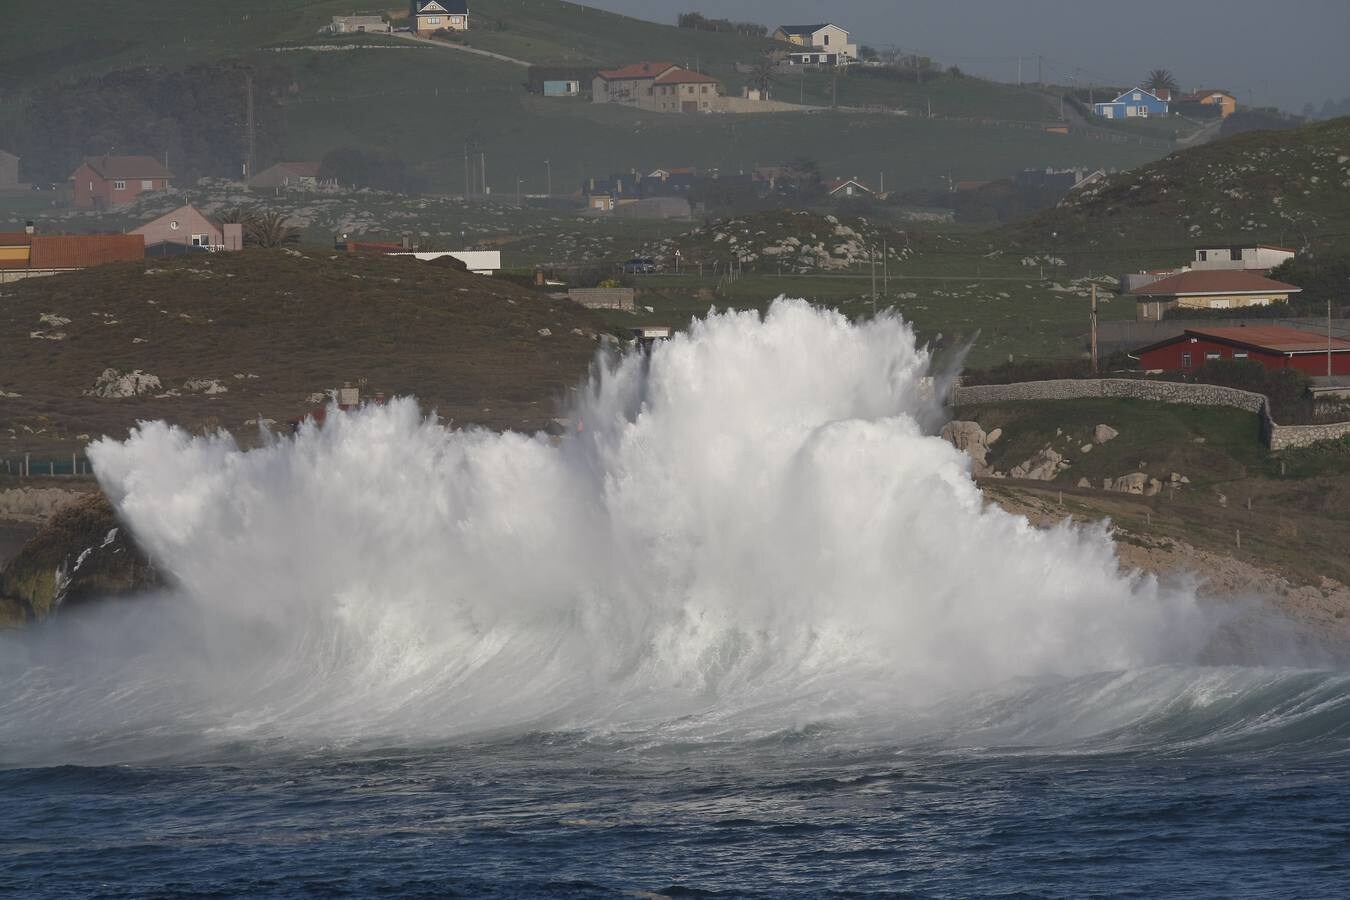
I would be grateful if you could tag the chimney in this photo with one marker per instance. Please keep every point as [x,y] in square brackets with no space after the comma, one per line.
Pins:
[29,228]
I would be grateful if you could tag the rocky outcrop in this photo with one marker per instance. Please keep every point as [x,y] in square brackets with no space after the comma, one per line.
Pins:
[81,554]
[970,438]
[1045,465]
[1103,433]
[1134,483]
[114,385]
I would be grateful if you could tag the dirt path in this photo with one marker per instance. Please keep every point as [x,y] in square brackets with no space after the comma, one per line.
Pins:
[449,45]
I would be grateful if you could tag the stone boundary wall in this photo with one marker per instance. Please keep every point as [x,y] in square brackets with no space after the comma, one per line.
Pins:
[1273,435]
[603,298]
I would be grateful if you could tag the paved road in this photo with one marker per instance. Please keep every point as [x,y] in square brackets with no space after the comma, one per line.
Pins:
[450,45]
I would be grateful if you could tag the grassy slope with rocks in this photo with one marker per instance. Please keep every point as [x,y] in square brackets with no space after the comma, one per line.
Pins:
[273,328]
[1290,187]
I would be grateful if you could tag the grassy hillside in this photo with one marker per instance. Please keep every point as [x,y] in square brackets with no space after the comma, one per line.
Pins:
[272,328]
[1287,187]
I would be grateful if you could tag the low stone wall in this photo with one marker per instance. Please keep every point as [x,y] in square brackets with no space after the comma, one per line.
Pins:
[1130,388]
[1283,437]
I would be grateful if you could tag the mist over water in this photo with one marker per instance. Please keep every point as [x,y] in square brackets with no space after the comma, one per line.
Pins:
[754,534]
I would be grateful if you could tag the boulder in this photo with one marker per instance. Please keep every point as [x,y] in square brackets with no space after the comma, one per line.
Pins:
[1103,433]
[992,438]
[1044,466]
[1086,448]
[1133,483]
[113,384]
[1084,483]
[970,438]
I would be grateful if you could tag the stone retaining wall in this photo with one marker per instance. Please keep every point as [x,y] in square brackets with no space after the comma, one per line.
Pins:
[1273,435]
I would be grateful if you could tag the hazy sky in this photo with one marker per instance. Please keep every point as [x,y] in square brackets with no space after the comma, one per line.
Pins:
[1273,53]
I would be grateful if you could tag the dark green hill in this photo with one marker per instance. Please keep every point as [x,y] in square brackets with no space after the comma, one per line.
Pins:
[272,328]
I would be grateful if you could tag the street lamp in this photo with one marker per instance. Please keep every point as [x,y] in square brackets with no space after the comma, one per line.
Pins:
[548,169]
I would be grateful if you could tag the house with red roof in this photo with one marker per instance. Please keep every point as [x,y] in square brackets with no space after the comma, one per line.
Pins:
[106,181]
[656,87]
[1274,346]
[1209,289]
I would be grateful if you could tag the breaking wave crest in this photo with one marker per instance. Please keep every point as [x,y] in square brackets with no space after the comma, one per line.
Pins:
[753,533]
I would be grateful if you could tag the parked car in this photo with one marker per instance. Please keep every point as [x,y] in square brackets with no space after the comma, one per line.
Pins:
[639,265]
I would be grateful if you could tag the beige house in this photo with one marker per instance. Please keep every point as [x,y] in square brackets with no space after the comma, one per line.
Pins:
[186,228]
[657,87]
[1209,289]
[436,15]
[823,38]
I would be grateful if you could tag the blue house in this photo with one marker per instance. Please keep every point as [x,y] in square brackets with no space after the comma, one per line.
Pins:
[1139,103]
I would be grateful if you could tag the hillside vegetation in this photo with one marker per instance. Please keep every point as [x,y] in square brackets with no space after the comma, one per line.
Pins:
[1287,187]
[234,336]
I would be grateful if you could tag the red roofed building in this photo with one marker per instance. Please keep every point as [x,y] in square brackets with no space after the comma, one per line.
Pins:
[1209,289]
[1274,346]
[104,181]
[27,256]
[656,87]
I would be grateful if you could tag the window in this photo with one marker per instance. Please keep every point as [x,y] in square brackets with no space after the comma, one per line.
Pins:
[1138,96]
[119,185]
[827,40]
[1185,360]
[201,240]
[147,184]
[433,20]
[1211,355]
[1204,255]
[1239,354]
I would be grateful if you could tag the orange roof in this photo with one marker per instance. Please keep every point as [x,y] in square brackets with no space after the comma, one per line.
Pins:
[1214,281]
[77,251]
[636,70]
[1279,338]
[685,76]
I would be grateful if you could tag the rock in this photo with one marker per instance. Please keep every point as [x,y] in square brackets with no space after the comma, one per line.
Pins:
[82,554]
[1086,448]
[1154,488]
[1044,466]
[970,438]
[28,504]
[545,332]
[112,384]
[1084,483]
[992,438]
[1103,433]
[205,386]
[1134,483]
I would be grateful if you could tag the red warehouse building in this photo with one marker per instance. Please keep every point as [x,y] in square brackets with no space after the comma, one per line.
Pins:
[104,181]
[1274,346]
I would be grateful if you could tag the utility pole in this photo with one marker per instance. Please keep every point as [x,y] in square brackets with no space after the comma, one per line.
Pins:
[252,134]
[468,188]
[1328,338]
[873,254]
[1094,329]
[1040,70]
[483,170]
[1019,71]
[548,170]
[886,266]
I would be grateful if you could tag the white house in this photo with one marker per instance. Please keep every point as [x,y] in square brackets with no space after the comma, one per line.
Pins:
[825,38]
[1244,256]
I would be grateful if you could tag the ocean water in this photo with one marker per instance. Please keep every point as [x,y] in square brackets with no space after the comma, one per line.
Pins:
[750,631]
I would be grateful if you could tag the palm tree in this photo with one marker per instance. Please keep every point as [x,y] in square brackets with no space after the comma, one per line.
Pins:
[270,229]
[1162,80]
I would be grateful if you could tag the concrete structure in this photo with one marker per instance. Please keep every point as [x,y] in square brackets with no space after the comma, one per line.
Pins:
[434,15]
[9,171]
[105,181]
[185,229]
[1217,289]
[656,87]
[562,88]
[1138,103]
[359,25]
[603,298]
[1274,346]
[29,255]
[1243,256]
[290,175]
[823,38]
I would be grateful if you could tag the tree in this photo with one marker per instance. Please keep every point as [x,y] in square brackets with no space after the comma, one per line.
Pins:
[761,76]
[270,229]
[868,54]
[1162,80]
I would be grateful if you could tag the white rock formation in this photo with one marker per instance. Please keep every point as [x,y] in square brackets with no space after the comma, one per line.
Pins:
[113,385]
[1103,433]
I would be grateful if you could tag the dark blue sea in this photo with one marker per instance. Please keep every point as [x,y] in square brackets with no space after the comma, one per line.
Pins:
[563,816]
